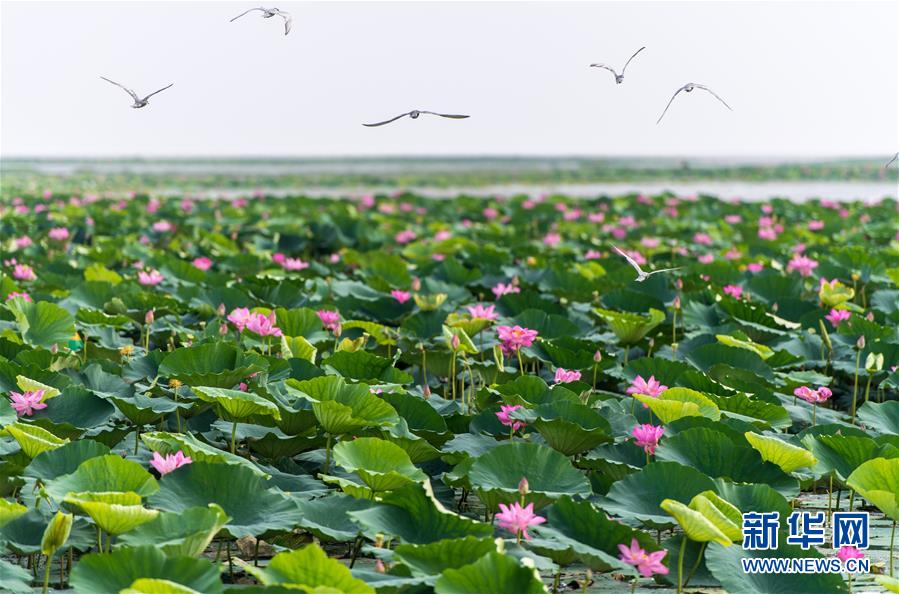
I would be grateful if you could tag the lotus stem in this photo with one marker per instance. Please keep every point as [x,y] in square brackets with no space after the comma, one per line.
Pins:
[858,360]
[680,565]
[520,364]
[424,366]
[46,575]
[327,466]
[892,541]
[453,374]
[814,414]
[627,352]
[695,564]
[829,499]
[234,437]
[136,439]
[868,387]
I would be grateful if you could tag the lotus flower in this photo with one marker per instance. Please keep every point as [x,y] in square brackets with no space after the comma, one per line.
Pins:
[25,404]
[552,239]
[162,226]
[647,564]
[500,289]
[517,519]
[294,264]
[515,337]
[404,237]
[822,394]
[735,291]
[263,325]
[505,419]
[836,316]
[14,294]
[564,376]
[150,278]
[170,462]
[483,312]
[330,320]
[202,263]
[847,553]
[401,296]
[240,317]
[58,234]
[23,272]
[647,436]
[802,264]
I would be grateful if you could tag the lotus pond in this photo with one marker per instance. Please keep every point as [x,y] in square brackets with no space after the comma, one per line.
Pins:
[406,395]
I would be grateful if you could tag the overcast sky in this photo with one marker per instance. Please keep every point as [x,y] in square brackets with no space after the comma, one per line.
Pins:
[804,79]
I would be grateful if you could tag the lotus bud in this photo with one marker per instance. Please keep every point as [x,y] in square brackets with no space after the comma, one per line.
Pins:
[870,316]
[676,303]
[221,310]
[54,348]
[150,317]
[379,566]
[426,391]
[454,342]
[679,284]
[531,261]
[56,533]
[223,329]
[860,343]
[498,357]
[416,284]
[597,356]
[523,486]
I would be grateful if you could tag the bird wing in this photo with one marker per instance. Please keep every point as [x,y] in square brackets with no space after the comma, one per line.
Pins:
[126,89]
[606,66]
[663,270]
[891,161]
[402,115]
[245,12]
[631,58]
[630,260]
[159,91]
[288,20]
[670,102]
[445,115]
[705,88]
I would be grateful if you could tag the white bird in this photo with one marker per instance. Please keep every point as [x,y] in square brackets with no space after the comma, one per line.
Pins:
[414,115]
[619,78]
[689,89]
[641,275]
[268,13]
[138,102]
[893,160]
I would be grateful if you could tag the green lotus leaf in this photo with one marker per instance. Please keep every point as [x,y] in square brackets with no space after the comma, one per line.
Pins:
[840,454]
[9,511]
[639,495]
[571,427]
[309,568]
[33,439]
[253,507]
[30,385]
[169,443]
[785,455]
[753,498]
[365,366]
[883,417]
[694,524]
[725,564]
[237,404]
[381,465]
[114,512]
[890,583]
[328,517]
[759,349]
[42,324]
[104,474]
[57,533]
[342,408]
[301,322]
[219,365]
[676,403]
[143,410]
[588,532]
[465,343]
[298,347]
[15,579]
[550,475]
[186,533]
[877,481]
[491,573]
[724,515]
[434,557]
[111,573]
[414,515]
[157,586]
[630,328]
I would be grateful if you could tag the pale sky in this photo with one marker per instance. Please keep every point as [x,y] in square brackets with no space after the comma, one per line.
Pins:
[805,79]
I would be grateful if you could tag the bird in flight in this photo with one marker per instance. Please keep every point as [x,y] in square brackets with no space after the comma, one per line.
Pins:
[138,102]
[619,78]
[268,13]
[689,89]
[641,275]
[414,115]
[893,160]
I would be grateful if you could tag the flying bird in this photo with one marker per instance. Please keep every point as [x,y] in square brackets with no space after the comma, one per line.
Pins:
[414,115]
[138,102]
[268,13]
[641,275]
[689,89]
[619,78]
[893,160]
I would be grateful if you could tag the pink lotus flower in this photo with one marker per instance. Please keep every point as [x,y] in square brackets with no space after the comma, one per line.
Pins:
[646,564]
[170,462]
[23,242]
[836,316]
[483,312]
[24,296]
[802,264]
[23,272]
[733,254]
[650,242]
[490,213]
[367,201]
[813,396]
[702,239]
[405,236]
[278,258]
[25,404]
[755,267]
[735,291]
[846,553]
[202,263]
[162,226]
[815,225]
[263,325]
[401,296]
[596,217]
[515,337]
[650,387]
[733,219]
[330,320]
[706,259]
[505,419]
[647,436]
[442,235]
[294,264]
[552,239]
[500,289]
[151,278]
[240,317]
[592,255]
[563,376]
[517,519]
[58,234]
[572,215]
[767,233]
